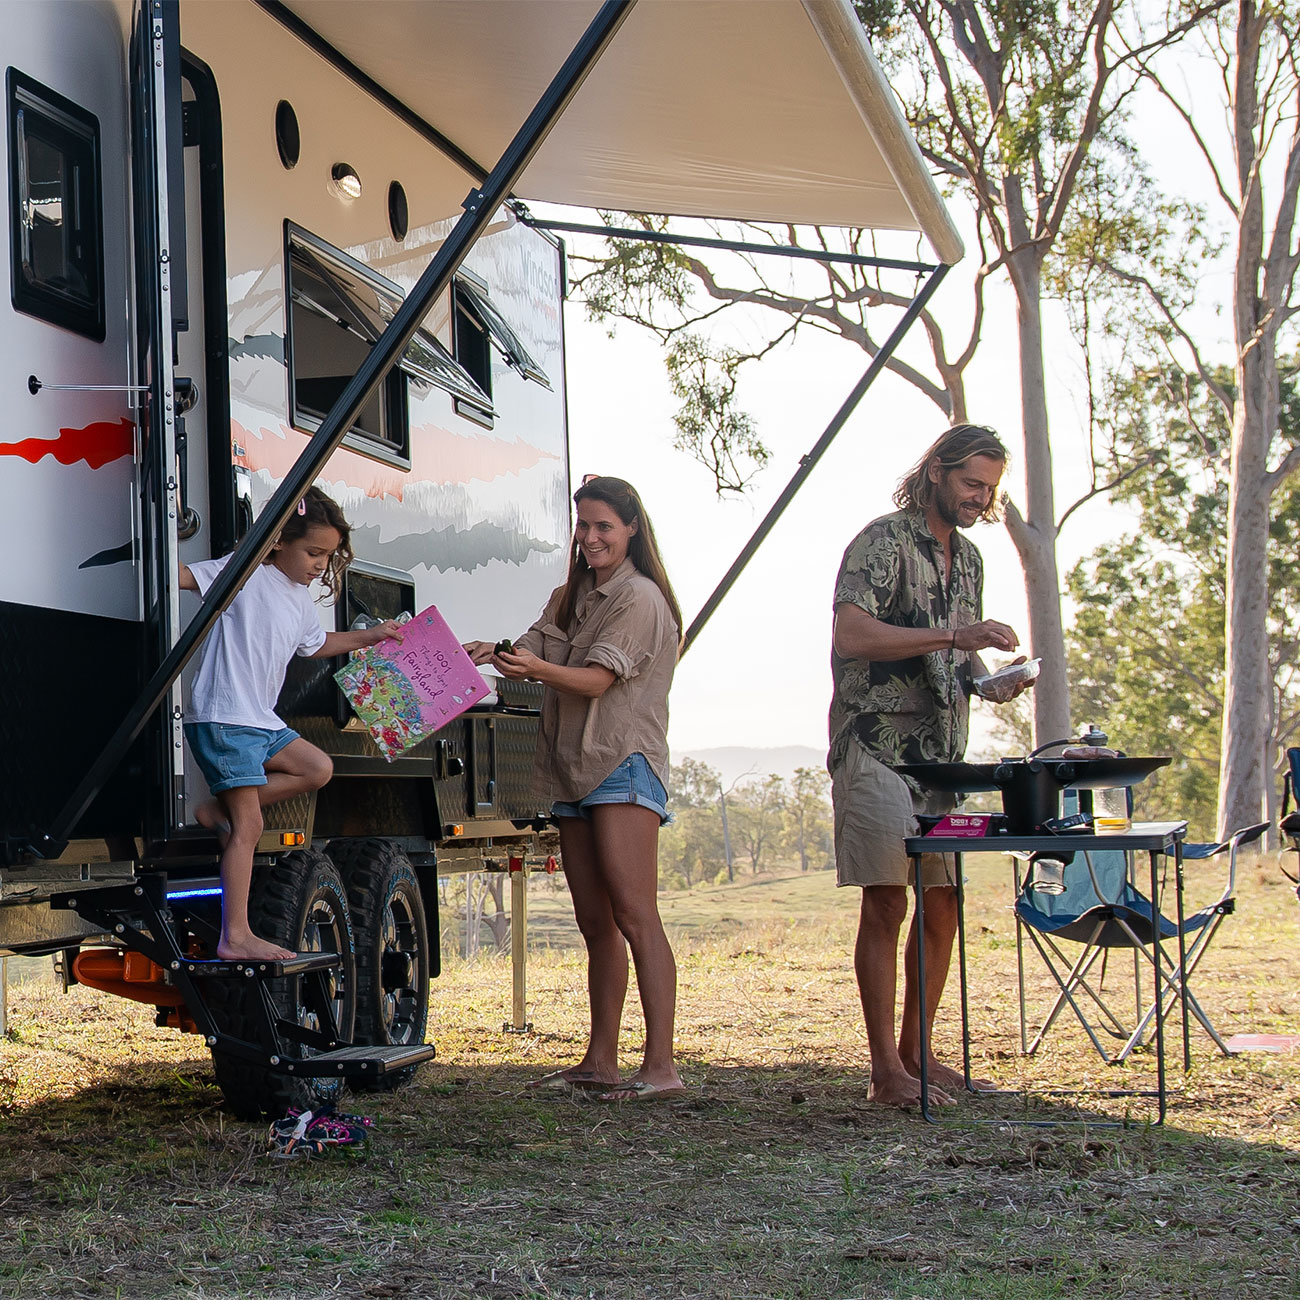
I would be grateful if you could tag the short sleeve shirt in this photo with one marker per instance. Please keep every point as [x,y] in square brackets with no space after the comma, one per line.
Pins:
[244,658]
[624,625]
[908,710]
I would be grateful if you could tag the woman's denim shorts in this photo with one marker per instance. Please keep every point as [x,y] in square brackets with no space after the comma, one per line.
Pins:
[229,755]
[632,781]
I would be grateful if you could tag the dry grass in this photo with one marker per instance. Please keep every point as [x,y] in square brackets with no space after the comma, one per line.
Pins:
[122,1177]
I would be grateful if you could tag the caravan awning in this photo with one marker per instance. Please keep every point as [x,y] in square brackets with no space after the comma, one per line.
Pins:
[764,110]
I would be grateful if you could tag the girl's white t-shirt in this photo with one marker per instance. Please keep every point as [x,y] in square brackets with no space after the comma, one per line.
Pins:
[246,655]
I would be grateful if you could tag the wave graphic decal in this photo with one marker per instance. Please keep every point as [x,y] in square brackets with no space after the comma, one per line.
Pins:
[438,456]
[448,548]
[97,444]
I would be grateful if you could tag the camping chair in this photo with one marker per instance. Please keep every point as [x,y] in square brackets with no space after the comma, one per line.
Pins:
[1101,909]
[1290,825]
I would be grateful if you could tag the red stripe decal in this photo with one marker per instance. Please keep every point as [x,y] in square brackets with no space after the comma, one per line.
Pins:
[96,444]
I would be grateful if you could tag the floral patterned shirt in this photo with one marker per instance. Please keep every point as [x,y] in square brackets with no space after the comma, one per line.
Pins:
[908,710]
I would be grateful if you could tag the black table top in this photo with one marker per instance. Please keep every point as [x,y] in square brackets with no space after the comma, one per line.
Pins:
[1148,837]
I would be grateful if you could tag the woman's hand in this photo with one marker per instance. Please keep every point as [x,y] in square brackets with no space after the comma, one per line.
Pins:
[480,652]
[518,665]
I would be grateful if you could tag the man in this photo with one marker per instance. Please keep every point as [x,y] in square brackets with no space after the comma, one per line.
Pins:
[908,625]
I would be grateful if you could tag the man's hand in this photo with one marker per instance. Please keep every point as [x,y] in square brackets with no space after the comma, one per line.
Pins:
[988,635]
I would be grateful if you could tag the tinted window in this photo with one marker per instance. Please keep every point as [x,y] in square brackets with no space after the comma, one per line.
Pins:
[56,243]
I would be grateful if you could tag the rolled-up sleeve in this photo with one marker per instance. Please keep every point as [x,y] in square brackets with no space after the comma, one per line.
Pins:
[630,634]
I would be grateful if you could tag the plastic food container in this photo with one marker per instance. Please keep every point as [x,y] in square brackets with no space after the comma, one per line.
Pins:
[1001,685]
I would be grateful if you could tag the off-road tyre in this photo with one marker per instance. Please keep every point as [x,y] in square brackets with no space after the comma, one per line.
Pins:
[299,902]
[392,941]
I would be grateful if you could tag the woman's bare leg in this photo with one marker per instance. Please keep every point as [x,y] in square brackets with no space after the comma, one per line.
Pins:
[606,952]
[626,840]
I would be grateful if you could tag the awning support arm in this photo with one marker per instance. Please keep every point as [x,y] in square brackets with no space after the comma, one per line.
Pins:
[727,245]
[807,462]
[480,207]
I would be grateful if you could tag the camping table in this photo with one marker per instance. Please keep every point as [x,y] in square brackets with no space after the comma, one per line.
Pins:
[1153,838]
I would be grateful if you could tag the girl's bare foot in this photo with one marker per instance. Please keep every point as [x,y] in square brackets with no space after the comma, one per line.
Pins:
[951,1080]
[250,948]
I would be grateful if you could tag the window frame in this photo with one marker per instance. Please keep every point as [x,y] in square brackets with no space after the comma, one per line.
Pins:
[74,131]
[426,359]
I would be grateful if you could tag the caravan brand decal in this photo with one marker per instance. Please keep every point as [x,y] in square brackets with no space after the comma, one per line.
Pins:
[97,444]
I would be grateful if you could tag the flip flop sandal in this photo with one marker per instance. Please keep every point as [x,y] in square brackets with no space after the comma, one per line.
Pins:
[641,1091]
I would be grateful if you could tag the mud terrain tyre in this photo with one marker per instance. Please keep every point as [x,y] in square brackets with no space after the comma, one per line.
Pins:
[392,944]
[299,902]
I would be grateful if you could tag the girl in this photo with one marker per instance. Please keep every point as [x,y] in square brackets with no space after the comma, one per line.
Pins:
[249,757]
[605,648]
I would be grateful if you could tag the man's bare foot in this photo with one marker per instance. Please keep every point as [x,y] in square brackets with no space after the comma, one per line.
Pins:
[950,1080]
[213,816]
[250,948]
[903,1091]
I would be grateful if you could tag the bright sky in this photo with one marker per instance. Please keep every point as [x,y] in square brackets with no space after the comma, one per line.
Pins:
[759,674]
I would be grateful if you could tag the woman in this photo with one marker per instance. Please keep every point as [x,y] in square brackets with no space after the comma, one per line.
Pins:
[605,648]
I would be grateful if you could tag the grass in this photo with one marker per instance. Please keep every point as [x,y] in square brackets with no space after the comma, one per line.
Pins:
[122,1176]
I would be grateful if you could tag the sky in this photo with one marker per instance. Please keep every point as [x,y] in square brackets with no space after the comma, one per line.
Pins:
[759,673]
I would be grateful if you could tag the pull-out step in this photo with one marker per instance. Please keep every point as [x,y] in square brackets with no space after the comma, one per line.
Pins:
[299,965]
[359,1062]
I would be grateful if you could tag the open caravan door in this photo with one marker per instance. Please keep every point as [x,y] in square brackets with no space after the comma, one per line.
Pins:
[161,298]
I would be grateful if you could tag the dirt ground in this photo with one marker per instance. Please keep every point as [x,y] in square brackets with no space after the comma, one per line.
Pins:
[121,1174]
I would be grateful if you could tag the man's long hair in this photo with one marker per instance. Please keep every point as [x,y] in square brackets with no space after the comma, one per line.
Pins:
[642,549]
[951,449]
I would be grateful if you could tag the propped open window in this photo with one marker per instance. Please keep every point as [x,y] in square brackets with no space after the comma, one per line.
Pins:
[480,322]
[337,310]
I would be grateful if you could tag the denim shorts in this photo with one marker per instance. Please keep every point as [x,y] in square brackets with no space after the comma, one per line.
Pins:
[632,781]
[230,755]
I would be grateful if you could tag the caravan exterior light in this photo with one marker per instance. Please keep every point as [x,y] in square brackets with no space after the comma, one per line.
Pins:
[346,180]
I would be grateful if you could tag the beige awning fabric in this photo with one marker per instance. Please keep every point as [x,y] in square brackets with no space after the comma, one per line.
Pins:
[765,110]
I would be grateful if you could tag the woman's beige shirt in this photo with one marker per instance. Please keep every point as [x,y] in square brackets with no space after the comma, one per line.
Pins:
[624,625]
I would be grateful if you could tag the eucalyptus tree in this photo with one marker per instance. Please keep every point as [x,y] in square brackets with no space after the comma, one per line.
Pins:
[1018,105]
[1253,171]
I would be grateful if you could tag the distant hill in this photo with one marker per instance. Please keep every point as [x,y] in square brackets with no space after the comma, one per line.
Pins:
[732,761]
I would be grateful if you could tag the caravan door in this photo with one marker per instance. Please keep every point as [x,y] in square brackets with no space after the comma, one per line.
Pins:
[160,262]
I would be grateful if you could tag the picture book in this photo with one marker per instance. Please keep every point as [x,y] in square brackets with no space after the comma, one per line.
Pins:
[403,691]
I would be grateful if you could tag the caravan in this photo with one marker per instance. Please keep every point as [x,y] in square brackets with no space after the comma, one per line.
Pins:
[255,245]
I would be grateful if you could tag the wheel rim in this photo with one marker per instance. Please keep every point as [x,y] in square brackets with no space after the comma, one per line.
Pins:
[323,931]
[399,968]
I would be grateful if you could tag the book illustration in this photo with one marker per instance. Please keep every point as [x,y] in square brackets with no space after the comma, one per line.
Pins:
[404,691]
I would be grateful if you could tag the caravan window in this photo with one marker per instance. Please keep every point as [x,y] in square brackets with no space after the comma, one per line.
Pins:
[480,327]
[55,202]
[337,309]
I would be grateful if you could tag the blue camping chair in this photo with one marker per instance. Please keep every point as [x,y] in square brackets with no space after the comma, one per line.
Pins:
[1290,825]
[1101,909]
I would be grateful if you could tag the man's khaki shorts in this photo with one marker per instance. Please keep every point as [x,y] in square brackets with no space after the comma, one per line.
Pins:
[875,810]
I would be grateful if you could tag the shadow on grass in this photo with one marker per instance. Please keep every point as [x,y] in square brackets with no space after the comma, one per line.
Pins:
[775,1181]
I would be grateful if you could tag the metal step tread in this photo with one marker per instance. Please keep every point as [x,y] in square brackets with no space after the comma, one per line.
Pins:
[373,1060]
[299,965]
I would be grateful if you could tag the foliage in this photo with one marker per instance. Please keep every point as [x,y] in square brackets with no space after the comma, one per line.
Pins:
[769,820]
[1147,650]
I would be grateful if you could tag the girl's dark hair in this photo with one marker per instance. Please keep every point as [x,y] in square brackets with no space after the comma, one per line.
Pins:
[951,449]
[317,509]
[642,549]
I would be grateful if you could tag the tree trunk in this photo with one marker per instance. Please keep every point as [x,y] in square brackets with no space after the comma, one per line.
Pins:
[1243,758]
[1035,534]
[1244,765]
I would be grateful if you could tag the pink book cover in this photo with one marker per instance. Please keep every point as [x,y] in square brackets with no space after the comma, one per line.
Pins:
[403,691]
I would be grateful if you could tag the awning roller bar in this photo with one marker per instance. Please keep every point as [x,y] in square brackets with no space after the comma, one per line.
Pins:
[726,245]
